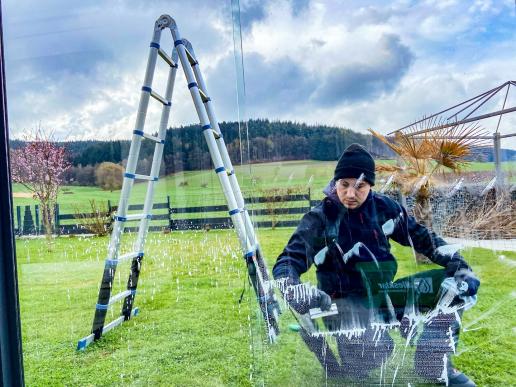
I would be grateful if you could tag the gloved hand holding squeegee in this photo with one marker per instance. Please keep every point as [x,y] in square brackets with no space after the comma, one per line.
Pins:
[461,282]
[305,298]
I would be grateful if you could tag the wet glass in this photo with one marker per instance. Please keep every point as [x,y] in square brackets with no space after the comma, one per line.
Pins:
[286,88]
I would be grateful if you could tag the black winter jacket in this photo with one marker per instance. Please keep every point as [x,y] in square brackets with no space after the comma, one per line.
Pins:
[331,221]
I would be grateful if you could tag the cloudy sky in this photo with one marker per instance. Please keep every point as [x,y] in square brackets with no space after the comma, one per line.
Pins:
[76,67]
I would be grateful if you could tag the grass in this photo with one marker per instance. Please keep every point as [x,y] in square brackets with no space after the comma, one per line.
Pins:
[198,188]
[202,187]
[477,166]
[193,331]
[193,188]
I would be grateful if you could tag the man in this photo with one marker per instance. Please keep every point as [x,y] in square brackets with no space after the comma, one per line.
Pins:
[347,237]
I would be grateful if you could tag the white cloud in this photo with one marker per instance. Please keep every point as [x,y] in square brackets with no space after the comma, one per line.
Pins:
[78,66]
[453,60]
[82,69]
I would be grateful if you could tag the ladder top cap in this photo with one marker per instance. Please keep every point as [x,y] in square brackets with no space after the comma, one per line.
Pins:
[165,21]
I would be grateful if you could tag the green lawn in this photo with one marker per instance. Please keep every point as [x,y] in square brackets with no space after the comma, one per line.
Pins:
[477,166]
[203,187]
[192,331]
[198,188]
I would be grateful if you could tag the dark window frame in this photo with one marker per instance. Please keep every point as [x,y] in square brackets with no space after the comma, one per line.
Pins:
[11,360]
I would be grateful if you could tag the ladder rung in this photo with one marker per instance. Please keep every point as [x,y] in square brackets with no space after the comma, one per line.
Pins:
[166,58]
[146,177]
[190,57]
[131,255]
[115,298]
[132,217]
[153,138]
[84,342]
[155,95]
[148,136]
[125,257]
[140,177]
[117,322]
[159,98]
[119,296]
[138,216]
[204,97]
[113,324]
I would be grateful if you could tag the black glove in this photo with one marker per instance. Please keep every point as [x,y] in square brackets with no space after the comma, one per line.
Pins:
[467,277]
[462,273]
[303,297]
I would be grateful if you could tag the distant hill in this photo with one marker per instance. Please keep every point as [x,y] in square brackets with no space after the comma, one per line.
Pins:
[262,140]
[486,154]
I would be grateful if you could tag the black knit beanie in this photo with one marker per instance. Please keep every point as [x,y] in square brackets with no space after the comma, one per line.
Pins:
[354,161]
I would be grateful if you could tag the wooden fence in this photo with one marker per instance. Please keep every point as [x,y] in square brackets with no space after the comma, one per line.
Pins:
[276,211]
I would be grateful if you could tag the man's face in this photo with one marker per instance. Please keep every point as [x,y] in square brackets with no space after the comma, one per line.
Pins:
[351,194]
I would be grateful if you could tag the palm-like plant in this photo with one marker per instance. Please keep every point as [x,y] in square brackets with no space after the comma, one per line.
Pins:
[423,155]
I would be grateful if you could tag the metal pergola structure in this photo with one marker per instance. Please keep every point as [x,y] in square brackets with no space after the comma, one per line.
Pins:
[11,363]
[463,113]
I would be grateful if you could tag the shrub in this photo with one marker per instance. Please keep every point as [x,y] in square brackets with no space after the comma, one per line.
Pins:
[98,222]
[276,199]
[109,176]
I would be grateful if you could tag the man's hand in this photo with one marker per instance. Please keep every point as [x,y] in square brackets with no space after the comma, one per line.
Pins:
[467,281]
[317,299]
[323,300]
[303,297]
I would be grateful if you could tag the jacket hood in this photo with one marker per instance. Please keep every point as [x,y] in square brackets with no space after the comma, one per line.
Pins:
[331,193]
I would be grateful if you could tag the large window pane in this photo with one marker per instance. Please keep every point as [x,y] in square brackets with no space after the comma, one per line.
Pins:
[293,85]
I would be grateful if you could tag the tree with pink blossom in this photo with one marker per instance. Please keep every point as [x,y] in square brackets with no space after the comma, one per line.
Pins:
[40,166]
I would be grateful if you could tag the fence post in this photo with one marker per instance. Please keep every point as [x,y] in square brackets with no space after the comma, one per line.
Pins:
[169,213]
[109,206]
[56,218]
[309,199]
[498,161]
[36,225]
[28,222]
[19,221]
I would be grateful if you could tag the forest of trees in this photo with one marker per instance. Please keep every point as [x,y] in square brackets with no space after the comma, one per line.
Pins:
[185,147]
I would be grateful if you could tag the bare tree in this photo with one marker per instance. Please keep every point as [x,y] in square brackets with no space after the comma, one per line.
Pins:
[277,202]
[99,221]
[40,166]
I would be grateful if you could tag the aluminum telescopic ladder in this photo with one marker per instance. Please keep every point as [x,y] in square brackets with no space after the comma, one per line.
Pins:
[257,268]
[256,265]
